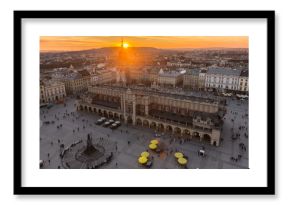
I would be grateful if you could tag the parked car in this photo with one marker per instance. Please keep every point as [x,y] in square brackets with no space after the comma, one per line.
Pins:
[101,121]
[114,126]
[118,123]
[106,124]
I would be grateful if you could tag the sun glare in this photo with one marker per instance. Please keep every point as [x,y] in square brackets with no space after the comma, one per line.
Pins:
[125,45]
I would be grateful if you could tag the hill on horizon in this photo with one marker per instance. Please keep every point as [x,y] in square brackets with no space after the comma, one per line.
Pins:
[143,49]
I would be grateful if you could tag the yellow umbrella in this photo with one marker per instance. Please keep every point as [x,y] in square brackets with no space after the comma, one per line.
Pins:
[154,142]
[142,160]
[178,155]
[145,154]
[152,146]
[182,161]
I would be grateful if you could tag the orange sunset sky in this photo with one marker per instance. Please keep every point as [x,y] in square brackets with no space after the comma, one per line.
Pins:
[72,43]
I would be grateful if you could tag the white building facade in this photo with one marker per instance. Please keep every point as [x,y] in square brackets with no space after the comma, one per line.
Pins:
[222,79]
[244,82]
[51,92]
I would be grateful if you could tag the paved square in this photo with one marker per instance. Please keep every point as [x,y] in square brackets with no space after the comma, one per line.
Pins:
[76,125]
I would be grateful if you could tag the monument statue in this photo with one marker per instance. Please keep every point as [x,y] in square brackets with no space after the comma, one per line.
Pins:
[90,149]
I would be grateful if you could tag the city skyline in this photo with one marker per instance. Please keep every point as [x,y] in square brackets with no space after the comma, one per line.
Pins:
[111,107]
[75,43]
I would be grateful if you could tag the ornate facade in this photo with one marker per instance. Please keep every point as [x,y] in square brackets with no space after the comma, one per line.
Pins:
[52,92]
[77,82]
[178,115]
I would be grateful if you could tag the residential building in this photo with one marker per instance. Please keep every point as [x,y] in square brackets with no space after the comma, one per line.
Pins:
[170,78]
[201,79]
[191,79]
[244,82]
[103,76]
[222,79]
[52,92]
[152,75]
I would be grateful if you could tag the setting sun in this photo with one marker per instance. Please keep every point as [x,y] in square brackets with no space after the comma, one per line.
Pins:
[125,45]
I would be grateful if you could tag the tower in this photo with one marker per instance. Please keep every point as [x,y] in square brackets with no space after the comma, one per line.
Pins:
[121,64]
[122,43]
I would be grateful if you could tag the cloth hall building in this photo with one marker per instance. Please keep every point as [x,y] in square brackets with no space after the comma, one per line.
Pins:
[177,115]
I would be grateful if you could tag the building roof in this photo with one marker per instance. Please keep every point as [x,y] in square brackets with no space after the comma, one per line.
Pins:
[72,76]
[84,73]
[66,74]
[192,72]
[153,92]
[224,71]
[49,83]
[215,118]
[153,70]
[173,74]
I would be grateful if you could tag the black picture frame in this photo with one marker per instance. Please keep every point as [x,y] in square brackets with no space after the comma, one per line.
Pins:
[268,190]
